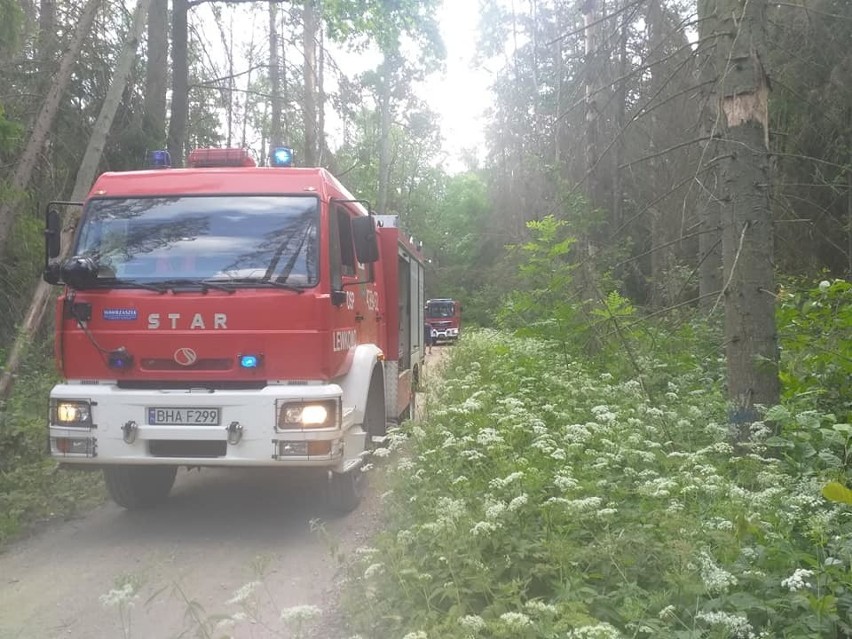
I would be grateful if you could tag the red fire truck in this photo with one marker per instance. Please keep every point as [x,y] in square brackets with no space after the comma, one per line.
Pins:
[444,316]
[230,315]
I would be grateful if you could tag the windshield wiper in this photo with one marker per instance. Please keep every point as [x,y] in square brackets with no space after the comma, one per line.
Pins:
[189,283]
[263,281]
[115,282]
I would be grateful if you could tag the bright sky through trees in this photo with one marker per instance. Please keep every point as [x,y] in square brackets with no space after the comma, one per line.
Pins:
[460,95]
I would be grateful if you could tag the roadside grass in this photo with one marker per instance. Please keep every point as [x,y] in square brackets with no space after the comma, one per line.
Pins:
[539,499]
[33,488]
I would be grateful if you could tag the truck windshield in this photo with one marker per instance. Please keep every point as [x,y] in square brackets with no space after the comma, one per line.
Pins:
[219,238]
[440,309]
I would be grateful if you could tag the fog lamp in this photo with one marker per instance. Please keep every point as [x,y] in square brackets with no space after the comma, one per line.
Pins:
[292,449]
[73,447]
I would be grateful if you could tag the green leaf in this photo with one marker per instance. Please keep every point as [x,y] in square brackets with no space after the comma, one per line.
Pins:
[835,491]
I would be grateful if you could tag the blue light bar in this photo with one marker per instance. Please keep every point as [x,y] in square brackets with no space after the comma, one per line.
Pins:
[282,156]
[158,159]
[249,361]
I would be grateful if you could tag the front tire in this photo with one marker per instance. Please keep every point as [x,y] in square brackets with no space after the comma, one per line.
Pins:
[137,487]
[346,489]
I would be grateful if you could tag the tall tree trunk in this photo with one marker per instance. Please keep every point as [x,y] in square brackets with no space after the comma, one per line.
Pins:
[157,73]
[46,44]
[85,176]
[311,23]
[275,136]
[44,122]
[180,81]
[620,120]
[709,202]
[324,153]
[750,338]
[247,101]
[594,74]
[660,227]
[386,119]
[591,9]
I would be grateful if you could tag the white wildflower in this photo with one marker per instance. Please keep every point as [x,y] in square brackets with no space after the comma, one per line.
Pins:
[405,464]
[518,502]
[598,631]
[515,620]
[494,509]
[505,481]
[381,452]
[473,623]
[243,593]
[736,625]
[300,613]
[667,613]
[715,578]
[564,482]
[416,635]
[124,596]
[541,608]
[483,528]
[488,436]
[373,570]
[796,581]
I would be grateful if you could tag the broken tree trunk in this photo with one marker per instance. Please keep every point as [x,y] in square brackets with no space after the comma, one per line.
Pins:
[749,290]
[85,176]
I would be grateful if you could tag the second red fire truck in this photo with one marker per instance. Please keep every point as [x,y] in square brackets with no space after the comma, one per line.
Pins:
[444,317]
[231,315]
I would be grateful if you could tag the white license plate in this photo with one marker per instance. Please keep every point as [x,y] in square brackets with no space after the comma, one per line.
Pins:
[162,416]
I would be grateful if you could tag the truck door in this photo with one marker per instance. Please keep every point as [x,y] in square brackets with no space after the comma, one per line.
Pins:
[352,277]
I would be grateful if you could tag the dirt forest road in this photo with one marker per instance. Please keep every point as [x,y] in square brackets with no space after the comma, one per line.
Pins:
[219,531]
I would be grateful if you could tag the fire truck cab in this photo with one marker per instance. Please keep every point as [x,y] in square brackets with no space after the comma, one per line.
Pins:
[444,316]
[230,315]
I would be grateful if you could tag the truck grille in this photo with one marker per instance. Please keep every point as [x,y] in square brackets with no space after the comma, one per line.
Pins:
[170,448]
[165,364]
[158,384]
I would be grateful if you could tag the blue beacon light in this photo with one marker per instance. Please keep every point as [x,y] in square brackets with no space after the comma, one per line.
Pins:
[282,156]
[158,159]
[249,361]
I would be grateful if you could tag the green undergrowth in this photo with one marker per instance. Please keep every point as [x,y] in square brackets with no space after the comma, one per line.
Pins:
[539,499]
[32,488]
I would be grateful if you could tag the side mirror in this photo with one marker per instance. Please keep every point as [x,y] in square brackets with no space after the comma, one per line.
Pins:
[365,239]
[51,273]
[52,233]
[79,272]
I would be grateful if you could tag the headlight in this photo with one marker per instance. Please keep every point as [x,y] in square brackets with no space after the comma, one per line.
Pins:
[307,415]
[71,413]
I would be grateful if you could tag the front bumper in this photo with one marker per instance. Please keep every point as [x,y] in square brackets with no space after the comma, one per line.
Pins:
[246,435]
[446,333]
